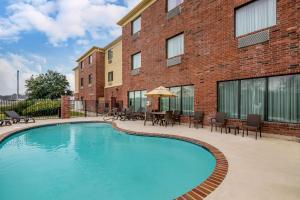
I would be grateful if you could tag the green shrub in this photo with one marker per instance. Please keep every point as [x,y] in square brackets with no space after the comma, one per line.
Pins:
[43,108]
[2,116]
[17,106]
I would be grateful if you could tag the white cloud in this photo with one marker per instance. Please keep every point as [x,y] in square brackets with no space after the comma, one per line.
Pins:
[61,20]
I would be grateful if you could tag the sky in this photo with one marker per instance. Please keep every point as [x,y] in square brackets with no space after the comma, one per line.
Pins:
[41,35]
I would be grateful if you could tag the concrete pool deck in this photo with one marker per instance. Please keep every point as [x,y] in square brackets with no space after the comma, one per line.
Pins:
[267,168]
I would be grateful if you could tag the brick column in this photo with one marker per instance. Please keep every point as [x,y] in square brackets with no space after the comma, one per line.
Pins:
[65,107]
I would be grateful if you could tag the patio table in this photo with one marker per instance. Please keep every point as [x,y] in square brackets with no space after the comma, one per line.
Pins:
[158,116]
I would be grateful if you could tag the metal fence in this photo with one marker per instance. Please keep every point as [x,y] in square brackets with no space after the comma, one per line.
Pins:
[37,108]
[86,108]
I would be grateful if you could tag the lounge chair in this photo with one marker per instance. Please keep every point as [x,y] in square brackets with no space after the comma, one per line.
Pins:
[111,114]
[5,122]
[140,114]
[168,118]
[197,119]
[16,118]
[129,115]
[177,116]
[219,121]
[254,123]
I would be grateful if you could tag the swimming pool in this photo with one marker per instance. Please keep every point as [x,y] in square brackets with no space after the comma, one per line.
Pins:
[96,161]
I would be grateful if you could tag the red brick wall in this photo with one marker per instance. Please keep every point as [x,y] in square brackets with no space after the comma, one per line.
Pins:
[114,92]
[96,89]
[211,52]
[65,107]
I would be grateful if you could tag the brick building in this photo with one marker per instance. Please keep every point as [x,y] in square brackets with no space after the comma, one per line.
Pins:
[236,56]
[90,75]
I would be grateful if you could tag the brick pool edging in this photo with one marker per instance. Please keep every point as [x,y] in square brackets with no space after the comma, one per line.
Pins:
[212,182]
[199,192]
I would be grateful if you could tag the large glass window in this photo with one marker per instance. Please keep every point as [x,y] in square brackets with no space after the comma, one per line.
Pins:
[136,25]
[255,16]
[136,61]
[284,98]
[253,97]
[187,100]
[173,4]
[280,101]
[175,46]
[131,100]
[137,99]
[184,100]
[175,102]
[164,104]
[228,98]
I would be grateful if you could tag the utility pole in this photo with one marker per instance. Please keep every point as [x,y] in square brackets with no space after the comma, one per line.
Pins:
[18,78]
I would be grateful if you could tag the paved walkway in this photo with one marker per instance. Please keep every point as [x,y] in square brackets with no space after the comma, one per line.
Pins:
[264,169]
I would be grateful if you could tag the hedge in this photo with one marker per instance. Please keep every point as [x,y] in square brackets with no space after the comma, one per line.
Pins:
[43,108]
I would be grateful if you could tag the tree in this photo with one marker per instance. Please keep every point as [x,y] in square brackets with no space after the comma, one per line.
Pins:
[50,85]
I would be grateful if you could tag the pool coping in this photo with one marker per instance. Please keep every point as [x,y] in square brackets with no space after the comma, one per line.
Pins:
[199,192]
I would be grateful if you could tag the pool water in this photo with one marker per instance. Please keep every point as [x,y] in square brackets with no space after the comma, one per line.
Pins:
[95,161]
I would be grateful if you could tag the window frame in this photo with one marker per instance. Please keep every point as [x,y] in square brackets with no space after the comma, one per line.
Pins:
[81,82]
[132,25]
[266,96]
[110,55]
[90,79]
[110,77]
[181,86]
[235,18]
[90,59]
[167,45]
[141,97]
[167,5]
[132,59]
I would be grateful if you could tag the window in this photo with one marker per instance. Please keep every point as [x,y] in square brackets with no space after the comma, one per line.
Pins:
[90,78]
[175,46]
[110,55]
[110,76]
[184,100]
[137,99]
[253,97]
[284,98]
[228,98]
[81,82]
[136,61]
[187,95]
[254,16]
[136,25]
[81,65]
[274,98]
[90,59]
[173,4]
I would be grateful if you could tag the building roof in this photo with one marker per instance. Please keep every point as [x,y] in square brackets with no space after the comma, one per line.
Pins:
[137,10]
[89,52]
[113,43]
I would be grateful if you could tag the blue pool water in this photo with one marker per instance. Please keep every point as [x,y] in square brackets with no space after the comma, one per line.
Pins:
[95,161]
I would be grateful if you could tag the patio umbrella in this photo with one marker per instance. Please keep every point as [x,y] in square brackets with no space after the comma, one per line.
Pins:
[160,92]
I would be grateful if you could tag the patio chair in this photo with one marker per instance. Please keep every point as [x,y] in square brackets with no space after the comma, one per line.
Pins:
[177,116]
[254,123]
[16,118]
[168,118]
[219,121]
[140,114]
[197,119]
[148,117]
